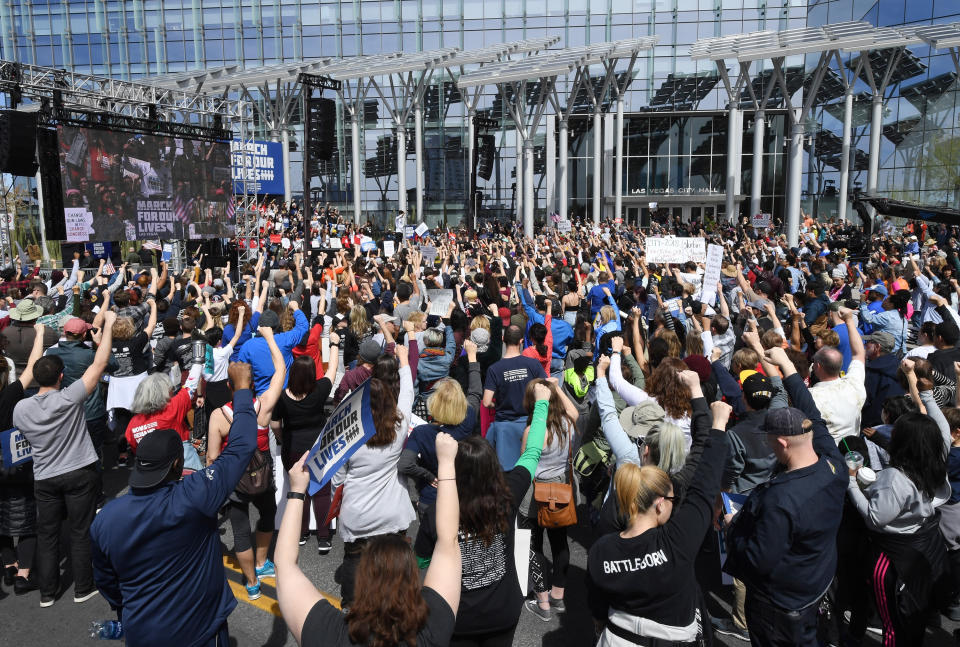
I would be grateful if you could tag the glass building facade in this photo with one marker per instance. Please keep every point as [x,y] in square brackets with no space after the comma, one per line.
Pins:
[675,126]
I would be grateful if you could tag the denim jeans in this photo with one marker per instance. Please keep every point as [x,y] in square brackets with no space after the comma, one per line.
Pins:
[72,495]
[771,626]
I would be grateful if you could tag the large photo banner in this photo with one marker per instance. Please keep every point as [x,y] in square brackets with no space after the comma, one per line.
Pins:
[126,186]
[347,429]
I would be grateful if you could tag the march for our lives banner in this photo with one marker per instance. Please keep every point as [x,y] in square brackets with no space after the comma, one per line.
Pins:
[347,429]
[14,448]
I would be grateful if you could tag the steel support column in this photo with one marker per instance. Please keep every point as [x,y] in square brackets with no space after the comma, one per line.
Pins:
[471,152]
[418,147]
[401,168]
[355,164]
[734,134]
[618,164]
[528,200]
[562,170]
[876,128]
[550,151]
[285,148]
[597,156]
[845,152]
[794,178]
[756,174]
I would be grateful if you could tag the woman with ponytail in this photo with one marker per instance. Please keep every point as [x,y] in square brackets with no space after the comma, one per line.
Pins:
[641,584]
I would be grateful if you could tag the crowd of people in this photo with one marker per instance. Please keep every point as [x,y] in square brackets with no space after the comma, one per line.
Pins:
[802,413]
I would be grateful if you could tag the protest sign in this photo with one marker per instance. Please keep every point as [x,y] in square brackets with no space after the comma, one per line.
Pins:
[348,428]
[257,163]
[14,448]
[335,243]
[389,248]
[100,250]
[760,220]
[78,221]
[711,275]
[399,222]
[564,226]
[439,301]
[167,252]
[367,244]
[421,229]
[676,250]
[429,253]
[408,231]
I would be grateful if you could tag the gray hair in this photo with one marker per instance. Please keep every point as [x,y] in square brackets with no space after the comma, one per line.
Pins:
[153,394]
[432,338]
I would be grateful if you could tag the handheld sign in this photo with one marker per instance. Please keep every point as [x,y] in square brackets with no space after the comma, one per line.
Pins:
[389,249]
[347,429]
[711,274]
[760,220]
[14,448]
[422,229]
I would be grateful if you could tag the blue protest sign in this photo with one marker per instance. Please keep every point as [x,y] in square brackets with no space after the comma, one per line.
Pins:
[100,250]
[14,448]
[368,246]
[408,231]
[347,429]
[259,163]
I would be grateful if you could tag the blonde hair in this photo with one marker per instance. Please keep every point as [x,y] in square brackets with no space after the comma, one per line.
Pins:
[479,322]
[123,329]
[638,487]
[470,295]
[417,318]
[447,404]
[607,314]
[745,359]
[359,324]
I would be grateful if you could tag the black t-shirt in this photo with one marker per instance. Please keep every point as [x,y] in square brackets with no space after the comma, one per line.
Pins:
[325,626]
[508,380]
[490,595]
[131,355]
[302,420]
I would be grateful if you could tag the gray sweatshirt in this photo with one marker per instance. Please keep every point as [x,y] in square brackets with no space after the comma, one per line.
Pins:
[893,504]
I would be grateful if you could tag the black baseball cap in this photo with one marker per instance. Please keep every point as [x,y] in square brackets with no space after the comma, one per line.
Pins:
[785,421]
[156,453]
[757,391]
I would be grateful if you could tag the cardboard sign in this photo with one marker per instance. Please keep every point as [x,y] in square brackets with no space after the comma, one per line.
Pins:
[429,254]
[439,301]
[563,226]
[14,448]
[760,220]
[676,250]
[348,428]
[421,229]
[389,248]
[711,275]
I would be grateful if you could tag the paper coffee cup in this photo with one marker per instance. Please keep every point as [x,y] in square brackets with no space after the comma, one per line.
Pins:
[866,476]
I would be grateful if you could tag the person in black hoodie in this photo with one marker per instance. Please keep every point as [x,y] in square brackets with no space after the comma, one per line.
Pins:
[641,583]
[881,376]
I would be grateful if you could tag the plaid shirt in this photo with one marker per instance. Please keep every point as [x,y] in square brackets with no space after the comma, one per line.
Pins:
[138,313]
[57,319]
[21,284]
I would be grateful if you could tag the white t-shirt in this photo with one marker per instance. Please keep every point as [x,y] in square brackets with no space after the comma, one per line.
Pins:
[841,400]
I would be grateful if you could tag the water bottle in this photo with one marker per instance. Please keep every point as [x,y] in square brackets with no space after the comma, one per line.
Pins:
[106,630]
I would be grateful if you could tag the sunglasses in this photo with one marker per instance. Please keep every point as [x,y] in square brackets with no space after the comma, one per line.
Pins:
[671,499]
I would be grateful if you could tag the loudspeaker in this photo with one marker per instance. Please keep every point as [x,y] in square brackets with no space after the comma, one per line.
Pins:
[486,152]
[51,184]
[18,142]
[322,135]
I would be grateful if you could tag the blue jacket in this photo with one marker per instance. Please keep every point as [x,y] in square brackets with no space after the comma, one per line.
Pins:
[813,310]
[783,542]
[434,367]
[597,298]
[256,352]
[562,331]
[157,557]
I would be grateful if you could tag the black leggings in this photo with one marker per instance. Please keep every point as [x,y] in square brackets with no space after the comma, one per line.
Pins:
[502,638]
[22,554]
[239,513]
[559,550]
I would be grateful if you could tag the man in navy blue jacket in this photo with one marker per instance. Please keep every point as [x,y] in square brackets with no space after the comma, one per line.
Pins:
[156,551]
[783,543]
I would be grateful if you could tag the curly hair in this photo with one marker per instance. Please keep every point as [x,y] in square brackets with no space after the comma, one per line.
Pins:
[234,314]
[482,490]
[666,388]
[389,608]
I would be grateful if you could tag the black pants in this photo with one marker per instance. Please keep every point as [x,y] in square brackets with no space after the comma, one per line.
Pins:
[22,555]
[769,625]
[239,514]
[559,551]
[502,638]
[98,430]
[898,628]
[72,495]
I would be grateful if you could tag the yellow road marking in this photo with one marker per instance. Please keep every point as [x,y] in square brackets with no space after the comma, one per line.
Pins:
[264,602]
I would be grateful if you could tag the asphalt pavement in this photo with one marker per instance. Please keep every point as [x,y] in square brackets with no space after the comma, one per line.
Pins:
[259,624]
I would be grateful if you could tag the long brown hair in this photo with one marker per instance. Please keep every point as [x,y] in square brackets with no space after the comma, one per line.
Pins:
[234,314]
[482,489]
[666,388]
[559,422]
[383,405]
[389,608]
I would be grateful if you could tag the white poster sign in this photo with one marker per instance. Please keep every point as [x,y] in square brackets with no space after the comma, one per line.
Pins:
[439,301]
[399,222]
[676,250]
[421,229]
[78,221]
[563,226]
[760,220]
[711,275]
[429,253]
[389,248]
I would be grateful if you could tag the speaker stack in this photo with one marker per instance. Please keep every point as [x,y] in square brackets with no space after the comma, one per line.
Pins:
[18,142]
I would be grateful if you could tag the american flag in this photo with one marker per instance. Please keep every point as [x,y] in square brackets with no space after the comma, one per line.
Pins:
[231,208]
[182,209]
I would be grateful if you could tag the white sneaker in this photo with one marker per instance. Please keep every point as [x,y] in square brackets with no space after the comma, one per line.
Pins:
[86,596]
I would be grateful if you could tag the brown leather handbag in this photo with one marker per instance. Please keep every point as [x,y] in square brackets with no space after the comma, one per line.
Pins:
[556,506]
